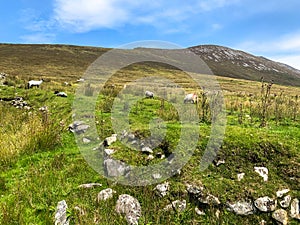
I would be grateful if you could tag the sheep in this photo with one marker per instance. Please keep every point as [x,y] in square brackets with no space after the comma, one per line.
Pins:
[33,83]
[192,98]
[149,94]
[60,94]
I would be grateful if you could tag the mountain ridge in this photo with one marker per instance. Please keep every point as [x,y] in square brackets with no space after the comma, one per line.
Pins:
[32,60]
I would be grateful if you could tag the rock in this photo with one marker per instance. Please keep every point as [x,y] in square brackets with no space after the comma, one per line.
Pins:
[265,204]
[199,212]
[281,216]
[61,213]
[162,189]
[285,202]
[177,205]
[240,176]
[129,206]
[194,190]
[61,94]
[105,194]
[115,168]
[147,150]
[86,140]
[90,185]
[78,127]
[108,151]
[109,140]
[281,193]
[156,176]
[295,209]
[150,157]
[241,208]
[209,199]
[263,172]
[263,222]
[220,162]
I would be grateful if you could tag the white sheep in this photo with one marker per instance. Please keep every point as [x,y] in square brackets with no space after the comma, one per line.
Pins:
[33,83]
[191,98]
[149,94]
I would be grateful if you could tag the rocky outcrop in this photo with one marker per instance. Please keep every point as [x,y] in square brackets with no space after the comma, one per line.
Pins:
[130,207]
[61,213]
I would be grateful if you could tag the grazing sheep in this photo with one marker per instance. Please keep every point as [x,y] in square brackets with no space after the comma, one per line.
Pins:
[33,83]
[192,98]
[60,94]
[149,94]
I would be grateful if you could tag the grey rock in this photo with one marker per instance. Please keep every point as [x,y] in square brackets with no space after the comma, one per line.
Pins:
[147,150]
[86,140]
[265,204]
[194,190]
[115,168]
[177,205]
[295,209]
[130,207]
[209,199]
[162,189]
[105,194]
[241,207]
[78,127]
[90,185]
[263,172]
[281,193]
[108,151]
[61,213]
[156,176]
[109,140]
[281,216]
[285,202]
[240,176]
[199,212]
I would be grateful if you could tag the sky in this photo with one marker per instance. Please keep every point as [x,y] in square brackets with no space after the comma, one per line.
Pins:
[269,28]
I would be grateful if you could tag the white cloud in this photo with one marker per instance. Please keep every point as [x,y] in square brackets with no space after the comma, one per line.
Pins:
[38,38]
[86,15]
[284,49]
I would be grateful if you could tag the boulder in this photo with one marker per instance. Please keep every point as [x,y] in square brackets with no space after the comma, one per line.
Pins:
[281,193]
[162,189]
[115,168]
[61,213]
[285,202]
[262,171]
[130,207]
[241,208]
[265,204]
[105,194]
[295,209]
[281,216]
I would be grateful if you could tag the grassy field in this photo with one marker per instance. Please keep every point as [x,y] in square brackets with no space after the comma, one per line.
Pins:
[42,165]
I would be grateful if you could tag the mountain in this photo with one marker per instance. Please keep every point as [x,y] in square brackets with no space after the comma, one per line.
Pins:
[37,60]
[228,62]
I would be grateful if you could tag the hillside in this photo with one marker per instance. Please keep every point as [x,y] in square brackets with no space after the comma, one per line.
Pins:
[55,61]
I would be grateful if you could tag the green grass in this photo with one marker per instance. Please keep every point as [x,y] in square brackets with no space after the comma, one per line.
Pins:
[42,165]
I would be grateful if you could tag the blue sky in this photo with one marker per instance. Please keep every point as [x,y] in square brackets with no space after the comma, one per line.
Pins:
[270,28]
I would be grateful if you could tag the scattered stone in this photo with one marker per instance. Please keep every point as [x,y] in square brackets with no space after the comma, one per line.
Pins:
[209,199]
[241,208]
[162,189]
[265,204]
[108,151]
[78,127]
[129,206]
[19,103]
[109,140]
[115,168]
[285,202]
[220,162]
[281,193]
[263,222]
[147,150]
[105,194]
[194,190]
[240,176]
[150,157]
[263,172]
[90,185]
[61,213]
[218,212]
[43,109]
[281,216]
[86,140]
[295,209]
[199,212]
[177,205]
[156,176]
